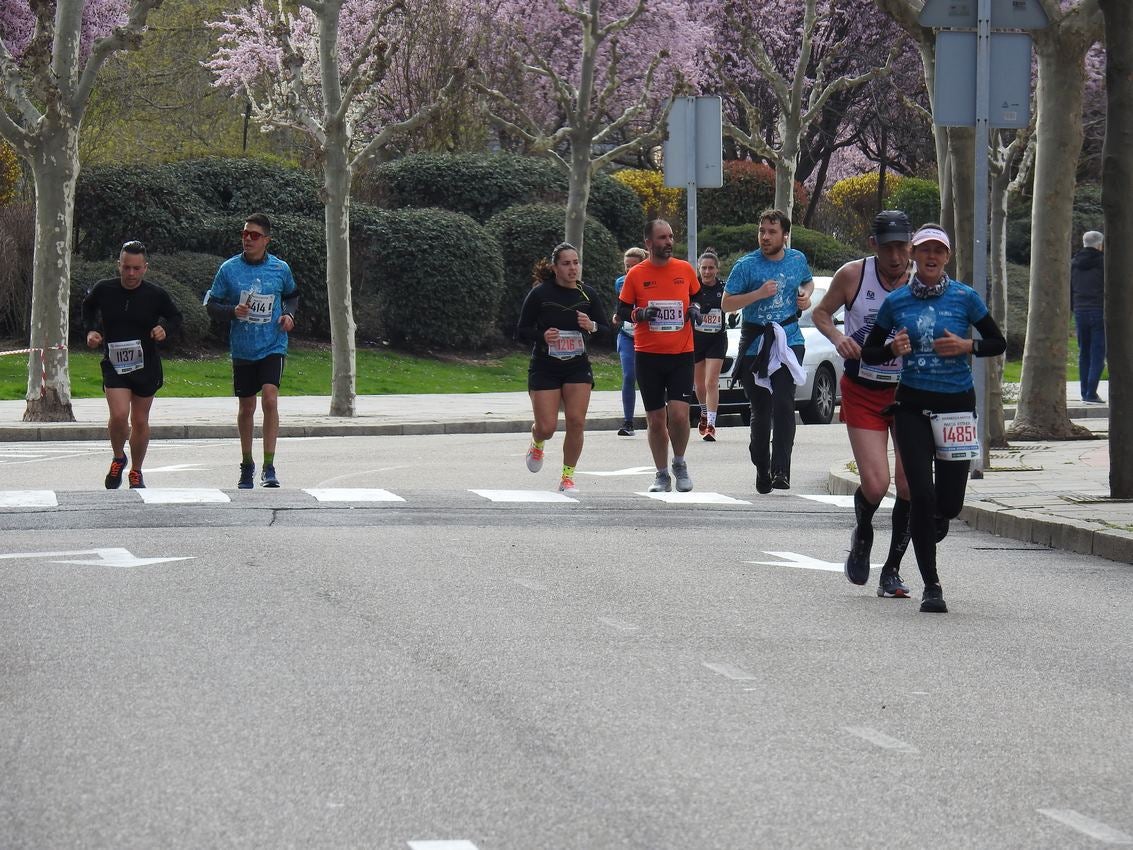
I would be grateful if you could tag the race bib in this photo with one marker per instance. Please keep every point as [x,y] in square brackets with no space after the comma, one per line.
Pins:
[672,316]
[126,356]
[711,322]
[569,344]
[884,373]
[955,435]
[261,304]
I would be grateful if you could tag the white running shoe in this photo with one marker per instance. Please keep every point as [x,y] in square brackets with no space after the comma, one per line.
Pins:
[534,458]
[662,483]
[680,472]
[567,485]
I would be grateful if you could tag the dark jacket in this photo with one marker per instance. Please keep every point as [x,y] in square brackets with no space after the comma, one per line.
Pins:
[1087,280]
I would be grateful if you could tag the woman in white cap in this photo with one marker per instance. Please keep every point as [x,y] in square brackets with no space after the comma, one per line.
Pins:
[934,410]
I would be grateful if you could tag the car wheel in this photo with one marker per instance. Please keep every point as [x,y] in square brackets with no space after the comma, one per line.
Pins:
[820,409]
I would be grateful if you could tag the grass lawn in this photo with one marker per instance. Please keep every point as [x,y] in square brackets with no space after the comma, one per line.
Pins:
[308,370]
[1013,369]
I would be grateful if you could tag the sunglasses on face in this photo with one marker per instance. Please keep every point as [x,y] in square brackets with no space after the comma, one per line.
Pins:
[253,235]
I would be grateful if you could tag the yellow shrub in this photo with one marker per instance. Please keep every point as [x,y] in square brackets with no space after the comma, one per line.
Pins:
[9,173]
[657,200]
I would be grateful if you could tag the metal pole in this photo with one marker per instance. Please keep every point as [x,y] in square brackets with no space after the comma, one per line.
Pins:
[980,213]
[690,186]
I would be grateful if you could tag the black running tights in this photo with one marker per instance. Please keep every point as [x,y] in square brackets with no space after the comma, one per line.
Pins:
[936,487]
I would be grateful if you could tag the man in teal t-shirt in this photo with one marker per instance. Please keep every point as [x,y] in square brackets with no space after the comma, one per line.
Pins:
[257,294]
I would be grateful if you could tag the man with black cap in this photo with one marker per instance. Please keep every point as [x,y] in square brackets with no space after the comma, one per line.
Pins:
[867,391]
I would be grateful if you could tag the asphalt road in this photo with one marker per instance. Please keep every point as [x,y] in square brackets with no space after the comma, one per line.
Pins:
[451,671]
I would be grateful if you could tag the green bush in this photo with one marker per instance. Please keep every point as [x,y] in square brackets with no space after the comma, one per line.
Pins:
[526,233]
[482,185]
[918,197]
[243,186]
[86,273]
[823,253]
[418,283]
[1087,216]
[195,273]
[749,188]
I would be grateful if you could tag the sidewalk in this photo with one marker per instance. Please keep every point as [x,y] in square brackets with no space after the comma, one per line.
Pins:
[1052,494]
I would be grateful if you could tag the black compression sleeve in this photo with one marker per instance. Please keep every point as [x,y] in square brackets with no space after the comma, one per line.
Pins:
[992,343]
[874,349]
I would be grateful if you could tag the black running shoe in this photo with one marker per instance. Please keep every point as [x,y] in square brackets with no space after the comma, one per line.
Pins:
[136,480]
[762,482]
[627,429]
[857,564]
[891,586]
[932,602]
[268,478]
[779,481]
[114,477]
[247,476]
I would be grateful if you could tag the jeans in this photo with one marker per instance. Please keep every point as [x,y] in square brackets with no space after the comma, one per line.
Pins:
[773,411]
[629,382]
[1091,349]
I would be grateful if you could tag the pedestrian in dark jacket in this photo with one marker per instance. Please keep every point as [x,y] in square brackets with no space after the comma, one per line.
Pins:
[1087,300]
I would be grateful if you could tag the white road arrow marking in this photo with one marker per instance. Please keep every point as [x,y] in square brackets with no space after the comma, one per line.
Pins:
[792,559]
[844,501]
[177,467]
[633,470]
[109,557]
[1087,826]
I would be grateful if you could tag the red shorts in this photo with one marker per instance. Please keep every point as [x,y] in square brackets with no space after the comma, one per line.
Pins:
[861,405]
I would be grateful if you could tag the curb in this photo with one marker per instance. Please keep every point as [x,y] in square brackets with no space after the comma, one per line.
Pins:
[1084,538]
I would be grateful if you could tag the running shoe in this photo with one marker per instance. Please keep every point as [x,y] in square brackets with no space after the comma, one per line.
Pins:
[779,481]
[247,476]
[857,564]
[114,476]
[662,483]
[534,458]
[567,485]
[932,602]
[627,429]
[136,480]
[891,586]
[267,477]
[680,472]
[710,434]
[762,481]
[703,426]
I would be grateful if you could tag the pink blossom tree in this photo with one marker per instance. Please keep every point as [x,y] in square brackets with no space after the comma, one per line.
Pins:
[50,56]
[588,81]
[324,70]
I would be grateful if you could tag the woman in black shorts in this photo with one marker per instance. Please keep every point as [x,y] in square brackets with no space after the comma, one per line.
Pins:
[710,342]
[560,315]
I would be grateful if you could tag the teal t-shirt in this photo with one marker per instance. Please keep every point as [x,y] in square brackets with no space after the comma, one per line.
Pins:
[752,271]
[263,286]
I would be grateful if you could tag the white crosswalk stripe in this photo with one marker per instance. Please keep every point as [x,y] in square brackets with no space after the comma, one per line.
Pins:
[28,499]
[694,498]
[353,494]
[180,496]
[523,496]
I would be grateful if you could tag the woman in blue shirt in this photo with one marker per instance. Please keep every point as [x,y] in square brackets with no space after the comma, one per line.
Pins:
[934,411]
[625,346]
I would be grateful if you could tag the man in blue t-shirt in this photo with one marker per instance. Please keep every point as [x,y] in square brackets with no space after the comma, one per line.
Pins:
[257,294]
[771,286]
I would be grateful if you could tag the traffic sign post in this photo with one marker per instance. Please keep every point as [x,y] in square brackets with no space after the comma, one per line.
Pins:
[1002,79]
[694,152]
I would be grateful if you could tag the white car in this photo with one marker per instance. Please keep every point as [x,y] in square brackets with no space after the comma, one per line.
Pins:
[815,399]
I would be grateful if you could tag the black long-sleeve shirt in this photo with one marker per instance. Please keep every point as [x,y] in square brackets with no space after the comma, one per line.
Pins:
[549,305]
[122,314]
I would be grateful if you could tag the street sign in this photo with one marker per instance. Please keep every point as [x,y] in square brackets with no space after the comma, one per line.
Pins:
[964,14]
[1009,103]
[694,148]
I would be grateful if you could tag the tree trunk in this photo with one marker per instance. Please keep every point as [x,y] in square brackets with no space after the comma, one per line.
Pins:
[55,171]
[1117,189]
[336,181]
[785,165]
[578,193]
[997,302]
[961,157]
[1061,77]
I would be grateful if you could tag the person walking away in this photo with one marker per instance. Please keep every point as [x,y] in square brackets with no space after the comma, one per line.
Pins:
[257,294]
[560,316]
[926,324]
[128,316]
[860,287]
[625,346]
[1087,301]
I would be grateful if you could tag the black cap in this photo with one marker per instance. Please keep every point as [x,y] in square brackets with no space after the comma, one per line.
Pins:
[892,226]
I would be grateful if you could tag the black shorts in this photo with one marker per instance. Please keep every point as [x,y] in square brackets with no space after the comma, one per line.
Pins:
[547,373]
[663,378]
[250,376]
[709,346]
[144,382]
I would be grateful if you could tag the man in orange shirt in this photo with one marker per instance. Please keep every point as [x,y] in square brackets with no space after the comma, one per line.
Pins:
[655,297]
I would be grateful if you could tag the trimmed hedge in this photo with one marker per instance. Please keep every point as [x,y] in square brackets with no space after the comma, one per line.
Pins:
[749,188]
[823,253]
[417,283]
[244,186]
[483,185]
[918,197]
[527,232]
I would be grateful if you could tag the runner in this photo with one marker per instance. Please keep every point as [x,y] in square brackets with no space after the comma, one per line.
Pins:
[256,292]
[710,343]
[559,315]
[772,286]
[934,411]
[625,346]
[867,392]
[134,316]
[656,297]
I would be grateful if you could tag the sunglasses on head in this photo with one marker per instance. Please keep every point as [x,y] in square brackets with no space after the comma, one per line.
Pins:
[253,235]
